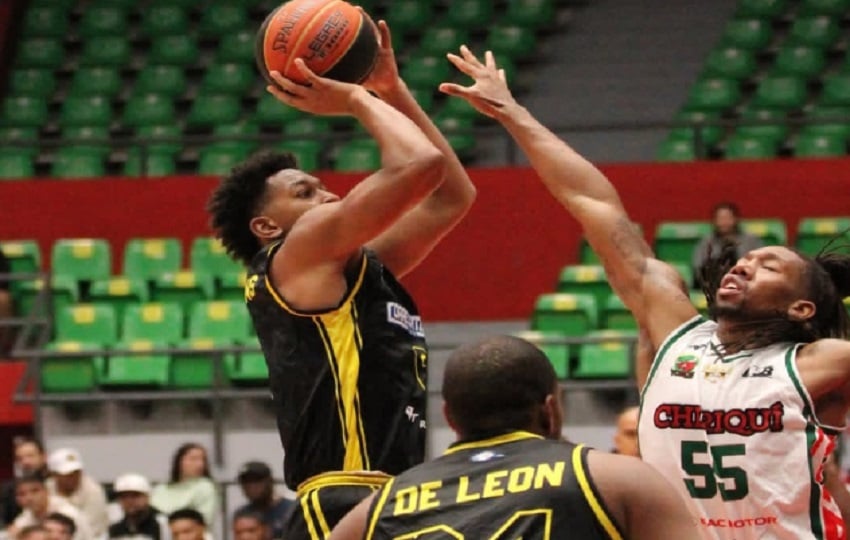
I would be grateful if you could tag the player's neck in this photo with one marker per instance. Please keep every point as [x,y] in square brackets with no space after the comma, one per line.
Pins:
[733,335]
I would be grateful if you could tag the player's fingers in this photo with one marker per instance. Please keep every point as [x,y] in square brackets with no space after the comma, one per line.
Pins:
[285,84]
[281,95]
[455,90]
[312,78]
[386,35]
[502,76]
[462,65]
[489,60]
[469,57]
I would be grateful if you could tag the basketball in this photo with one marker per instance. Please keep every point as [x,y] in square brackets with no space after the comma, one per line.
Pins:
[333,38]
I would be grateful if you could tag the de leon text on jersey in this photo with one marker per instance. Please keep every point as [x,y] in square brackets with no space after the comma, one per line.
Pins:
[744,422]
[430,495]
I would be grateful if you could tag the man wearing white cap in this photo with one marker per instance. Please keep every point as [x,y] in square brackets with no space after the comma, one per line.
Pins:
[141,520]
[79,489]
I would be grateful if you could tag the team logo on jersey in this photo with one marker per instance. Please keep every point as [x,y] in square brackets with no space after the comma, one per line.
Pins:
[486,455]
[398,315]
[251,287]
[684,366]
[758,371]
[744,422]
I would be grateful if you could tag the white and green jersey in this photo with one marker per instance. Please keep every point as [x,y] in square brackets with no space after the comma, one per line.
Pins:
[738,437]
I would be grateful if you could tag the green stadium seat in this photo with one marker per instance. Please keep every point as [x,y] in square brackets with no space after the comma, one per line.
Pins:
[781,92]
[178,50]
[358,155]
[799,61]
[511,41]
[184,287]
[86,111]
[151,163]
[271,112]
[777,131]
[827,126]
[20,135]
[710,135]
[106,51]
[32,82]
[235,135]
[570,314]
[89,138]
[24,112]
[148,110]
[753,34]
[89,81]
[409,15]
[307,153]
[208,257]
[676,149]
[228,79]
[161,139]
[814,233]
[616,316]
[739,147]
[833,8]
[730,63]
[119,292]
[148,258]
[609,359]
[585,279]
[458,131]
[81,258]
[89,323]
[472,14]
[819,146]
[155,321]
[209,110]
[24,256]
[836,90]
[165,20]
[699,302]
[771,231]
[163,79]
[815,31]
[197,370]
[714,95]
[308,126]
[71,374]
[103,20]
[40,53]
[219,19]
[142,370]
[438,40]
[16,165]
[761,9]
[231,287]
[62,293]
[460,108]
[532,13]
[218,159]
[220,320]
[675,240]
[45,21]
[426,72]
[77,162]
[247,369]
[236,47]
[557,353]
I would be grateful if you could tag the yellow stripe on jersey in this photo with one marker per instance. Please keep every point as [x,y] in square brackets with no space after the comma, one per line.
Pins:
[590,497]
[320,517]
[358,340]
[311,528]
[502,439]
[377,508]
[329,355]
[371,479]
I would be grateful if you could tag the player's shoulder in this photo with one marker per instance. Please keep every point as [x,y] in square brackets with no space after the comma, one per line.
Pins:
[826,349]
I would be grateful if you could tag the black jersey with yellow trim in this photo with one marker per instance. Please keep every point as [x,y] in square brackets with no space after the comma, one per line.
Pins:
[348,383]
[516,485]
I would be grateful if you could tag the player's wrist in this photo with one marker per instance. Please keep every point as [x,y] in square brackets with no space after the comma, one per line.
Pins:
[358,101]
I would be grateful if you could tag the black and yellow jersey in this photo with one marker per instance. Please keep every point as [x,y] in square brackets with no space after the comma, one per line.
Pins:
[349,383]
[516,485]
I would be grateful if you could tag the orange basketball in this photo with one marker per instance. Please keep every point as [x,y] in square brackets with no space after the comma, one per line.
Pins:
[333,37]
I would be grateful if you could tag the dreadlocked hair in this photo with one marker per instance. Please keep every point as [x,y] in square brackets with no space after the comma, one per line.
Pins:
[827,281]
[237,199]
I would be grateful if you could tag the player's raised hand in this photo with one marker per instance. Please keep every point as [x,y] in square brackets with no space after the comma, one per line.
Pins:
[320,95]
[384,76]
[489,94]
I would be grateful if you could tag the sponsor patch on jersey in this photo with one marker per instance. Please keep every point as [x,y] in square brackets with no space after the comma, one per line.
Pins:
[745,422]
[486,455]
[684,366]
[398,315]
[758,371]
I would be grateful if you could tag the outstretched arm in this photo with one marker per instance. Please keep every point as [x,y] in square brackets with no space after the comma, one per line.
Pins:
[403,246]
[651,289]
[327,236]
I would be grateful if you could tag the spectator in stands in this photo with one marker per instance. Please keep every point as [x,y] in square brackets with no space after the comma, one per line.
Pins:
[249,525]
[141,520]
[59,527]
[727,230]
[37,504]
[29,459]
[190,484]
[5,306]
[79,489]
[187,524]
[33,532]
[626,439]
[255,479]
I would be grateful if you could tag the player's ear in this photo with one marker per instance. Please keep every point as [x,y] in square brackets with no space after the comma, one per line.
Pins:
[801,310]
[553,416]
[265,227]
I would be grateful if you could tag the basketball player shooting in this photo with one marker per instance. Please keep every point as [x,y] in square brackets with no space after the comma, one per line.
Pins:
[738,412]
